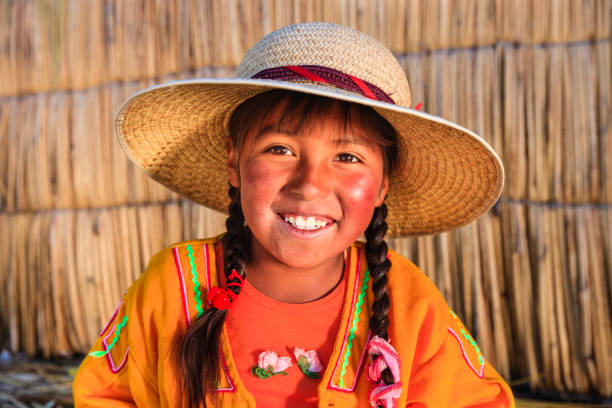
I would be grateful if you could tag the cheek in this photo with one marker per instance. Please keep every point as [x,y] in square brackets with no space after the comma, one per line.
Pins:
[359,198]
[259,185]
[361,190]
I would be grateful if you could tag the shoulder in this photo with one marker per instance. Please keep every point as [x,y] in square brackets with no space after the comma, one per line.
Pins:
[417,306]
[176,277]
[412,284]
[164,264]
[413,295]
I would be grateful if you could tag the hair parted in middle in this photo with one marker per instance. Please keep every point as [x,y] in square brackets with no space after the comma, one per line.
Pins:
[197,349]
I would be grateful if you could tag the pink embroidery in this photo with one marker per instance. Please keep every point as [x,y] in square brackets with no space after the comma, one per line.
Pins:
[330,385]
[232,387]
[177,262]
[109,360]
[465,357]
[206,261]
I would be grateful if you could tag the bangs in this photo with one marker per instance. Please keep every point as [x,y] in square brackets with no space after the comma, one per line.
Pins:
[302,110]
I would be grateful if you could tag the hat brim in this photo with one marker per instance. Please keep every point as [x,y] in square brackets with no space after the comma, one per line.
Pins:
[177,133]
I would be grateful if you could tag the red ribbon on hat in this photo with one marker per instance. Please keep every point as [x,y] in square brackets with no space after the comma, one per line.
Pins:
[222,298]
[325,75]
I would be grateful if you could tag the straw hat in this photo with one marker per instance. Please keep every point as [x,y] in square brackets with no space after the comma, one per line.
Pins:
[177,132]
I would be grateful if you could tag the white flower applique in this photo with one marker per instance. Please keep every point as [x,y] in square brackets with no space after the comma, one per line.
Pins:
[270,364]
[309,362]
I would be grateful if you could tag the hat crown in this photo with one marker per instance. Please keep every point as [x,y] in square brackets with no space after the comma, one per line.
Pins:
[331,46]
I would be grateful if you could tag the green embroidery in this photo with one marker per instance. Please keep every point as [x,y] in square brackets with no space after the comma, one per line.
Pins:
[196,284]
[117,331]
[360,300]
[471,341]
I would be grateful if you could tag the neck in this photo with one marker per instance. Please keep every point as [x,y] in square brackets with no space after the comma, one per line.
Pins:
[290,284]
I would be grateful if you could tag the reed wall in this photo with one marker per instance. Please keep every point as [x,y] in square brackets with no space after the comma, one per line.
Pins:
[532,279]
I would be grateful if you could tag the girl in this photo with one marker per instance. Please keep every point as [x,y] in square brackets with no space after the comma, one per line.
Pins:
[318,144]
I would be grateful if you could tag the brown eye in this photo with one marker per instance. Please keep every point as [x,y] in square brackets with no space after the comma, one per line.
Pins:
[348,158]
[281,150]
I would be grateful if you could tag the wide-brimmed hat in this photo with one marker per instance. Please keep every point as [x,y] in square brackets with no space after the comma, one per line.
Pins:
[177,132]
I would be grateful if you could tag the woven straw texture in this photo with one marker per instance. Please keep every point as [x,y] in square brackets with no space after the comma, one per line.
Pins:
[532,278]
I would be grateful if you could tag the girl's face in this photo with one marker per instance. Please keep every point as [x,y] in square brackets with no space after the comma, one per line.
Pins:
[307,195]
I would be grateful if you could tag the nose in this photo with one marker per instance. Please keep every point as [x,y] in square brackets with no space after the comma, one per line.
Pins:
[310,179]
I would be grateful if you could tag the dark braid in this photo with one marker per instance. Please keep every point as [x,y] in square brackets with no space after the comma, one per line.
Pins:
[198,348]
[235,242]
[379,264]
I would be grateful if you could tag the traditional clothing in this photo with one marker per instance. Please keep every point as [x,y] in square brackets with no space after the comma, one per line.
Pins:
[441,365]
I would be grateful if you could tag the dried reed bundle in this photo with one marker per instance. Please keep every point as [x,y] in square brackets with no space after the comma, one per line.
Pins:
[492,296]
[520,287]
[88,284]
[5,113]
[60,330]
[58,124]
[600,303]
[78,337]
[603,86]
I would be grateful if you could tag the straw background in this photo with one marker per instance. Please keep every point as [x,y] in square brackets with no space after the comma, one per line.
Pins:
[532,279]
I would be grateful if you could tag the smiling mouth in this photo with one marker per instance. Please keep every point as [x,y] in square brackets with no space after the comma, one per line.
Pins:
[306,223]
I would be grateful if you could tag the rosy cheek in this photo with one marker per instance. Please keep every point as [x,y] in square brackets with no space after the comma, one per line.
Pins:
[259,185]
[361,190]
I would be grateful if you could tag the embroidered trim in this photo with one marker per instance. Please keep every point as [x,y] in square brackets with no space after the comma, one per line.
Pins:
[109,360]
[232,387]
[177,262]
[360,300]
[330,384]
[472,342]
[115,339]
[194,279]
[207,262]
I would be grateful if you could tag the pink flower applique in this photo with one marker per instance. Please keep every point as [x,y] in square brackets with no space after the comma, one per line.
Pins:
[270,364]
[382,356]
[309,362]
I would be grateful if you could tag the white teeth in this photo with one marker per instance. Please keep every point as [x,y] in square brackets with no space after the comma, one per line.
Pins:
[302,223]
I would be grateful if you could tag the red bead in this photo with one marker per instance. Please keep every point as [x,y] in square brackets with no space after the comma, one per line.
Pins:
[220,298]
[222,301]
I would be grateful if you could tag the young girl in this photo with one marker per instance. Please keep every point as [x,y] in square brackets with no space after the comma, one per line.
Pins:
[317,144]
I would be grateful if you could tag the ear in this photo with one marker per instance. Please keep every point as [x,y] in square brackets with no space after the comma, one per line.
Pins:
[382,193]
[233,175]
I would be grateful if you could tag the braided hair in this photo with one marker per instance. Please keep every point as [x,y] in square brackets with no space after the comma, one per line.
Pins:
[197,349]
[379,265]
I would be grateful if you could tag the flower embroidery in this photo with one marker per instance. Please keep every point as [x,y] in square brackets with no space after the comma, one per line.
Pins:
[270,364]
[309,362]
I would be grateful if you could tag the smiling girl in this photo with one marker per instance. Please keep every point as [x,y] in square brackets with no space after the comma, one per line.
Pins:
[316,144]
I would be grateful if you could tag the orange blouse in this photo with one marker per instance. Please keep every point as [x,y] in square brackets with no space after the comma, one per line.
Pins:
[257,323]
[441,365]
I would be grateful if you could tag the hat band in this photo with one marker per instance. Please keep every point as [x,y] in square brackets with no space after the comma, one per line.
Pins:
[325,75]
